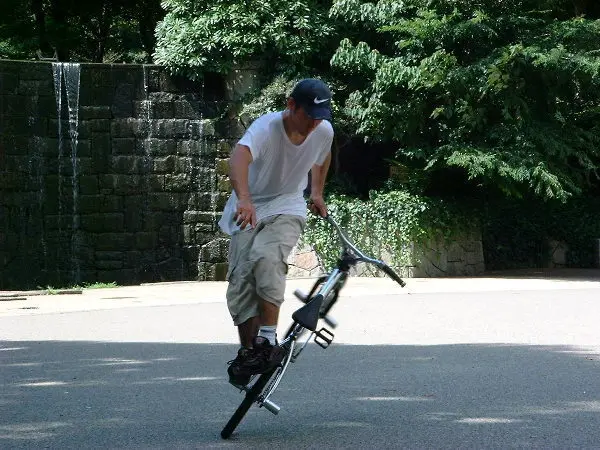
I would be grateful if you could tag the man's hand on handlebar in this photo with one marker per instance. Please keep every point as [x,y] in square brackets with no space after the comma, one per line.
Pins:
[317,205]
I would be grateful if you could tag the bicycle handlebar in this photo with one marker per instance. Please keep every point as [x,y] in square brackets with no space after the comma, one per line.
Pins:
[360,256]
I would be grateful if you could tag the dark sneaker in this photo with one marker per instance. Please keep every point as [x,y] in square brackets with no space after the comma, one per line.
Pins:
[260,359]
[238,374]
[269,356]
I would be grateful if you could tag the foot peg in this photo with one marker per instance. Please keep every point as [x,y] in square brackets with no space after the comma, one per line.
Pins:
[271,407]
[330,321]
[323,337]
[300,295]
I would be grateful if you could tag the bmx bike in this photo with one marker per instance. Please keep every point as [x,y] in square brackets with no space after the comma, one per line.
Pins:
[317,304]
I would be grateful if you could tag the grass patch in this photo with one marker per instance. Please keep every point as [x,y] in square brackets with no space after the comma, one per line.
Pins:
[54,291]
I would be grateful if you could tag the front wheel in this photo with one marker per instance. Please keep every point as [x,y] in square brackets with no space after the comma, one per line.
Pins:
[250,397]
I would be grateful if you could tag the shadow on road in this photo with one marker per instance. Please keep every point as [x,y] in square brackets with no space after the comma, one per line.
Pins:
[558,274]
[139,395]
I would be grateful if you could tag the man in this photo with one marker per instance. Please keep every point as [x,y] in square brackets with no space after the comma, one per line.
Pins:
[266,214]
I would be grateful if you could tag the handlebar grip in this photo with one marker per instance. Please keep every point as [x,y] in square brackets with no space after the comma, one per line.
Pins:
[390,273]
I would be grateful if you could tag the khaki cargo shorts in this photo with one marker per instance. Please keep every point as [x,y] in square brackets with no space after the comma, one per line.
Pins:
[258,264]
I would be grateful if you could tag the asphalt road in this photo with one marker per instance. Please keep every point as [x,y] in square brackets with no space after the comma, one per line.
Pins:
[460,364]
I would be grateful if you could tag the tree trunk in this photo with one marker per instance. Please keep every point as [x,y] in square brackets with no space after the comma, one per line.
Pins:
[60,18]
[104,24]
[40,25]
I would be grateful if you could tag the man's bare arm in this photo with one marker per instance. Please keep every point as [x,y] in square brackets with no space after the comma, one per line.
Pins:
[241,158]
[238,171]
[318,177]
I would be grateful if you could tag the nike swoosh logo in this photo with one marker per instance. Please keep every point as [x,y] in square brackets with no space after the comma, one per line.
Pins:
[317,100]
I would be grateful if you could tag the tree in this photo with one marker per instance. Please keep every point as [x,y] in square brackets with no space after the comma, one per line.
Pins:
[506,91]
[99,31]
[215,35]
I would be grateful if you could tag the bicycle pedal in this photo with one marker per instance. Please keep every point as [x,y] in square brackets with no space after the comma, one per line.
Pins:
[323,337]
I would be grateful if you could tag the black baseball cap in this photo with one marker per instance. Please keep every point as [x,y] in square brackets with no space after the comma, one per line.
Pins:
[314,96]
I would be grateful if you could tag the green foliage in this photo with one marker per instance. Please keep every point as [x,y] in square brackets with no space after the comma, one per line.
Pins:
[216,35]
[99,31]
[507,91]
[389,223]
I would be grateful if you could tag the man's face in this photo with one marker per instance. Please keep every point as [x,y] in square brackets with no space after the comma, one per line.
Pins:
[302,122]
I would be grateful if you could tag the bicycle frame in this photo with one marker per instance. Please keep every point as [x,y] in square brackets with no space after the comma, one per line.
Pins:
[316,307]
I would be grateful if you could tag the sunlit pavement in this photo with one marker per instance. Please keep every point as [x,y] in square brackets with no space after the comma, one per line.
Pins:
[494,362]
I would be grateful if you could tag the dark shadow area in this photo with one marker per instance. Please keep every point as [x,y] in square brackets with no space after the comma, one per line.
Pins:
[130,395]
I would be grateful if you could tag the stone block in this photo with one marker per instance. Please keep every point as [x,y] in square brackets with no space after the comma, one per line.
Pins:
[558,253]
[105,222]
[121,184]
[132,259]
[212,271]
[162,110]
[32,70]
[190,254]
[455,252]
[25,125]
[178,182]
[100,203]
[113,241]
[100,148]
[164,164]
[94,112]
[155,183]
[190,147]
[88,184]
[95,125]
[96,95]
[134,213]
[9,83]
[127,164]
[201,201]
[209,150]
[158,147]
[171,201]
[187,109]
[99,75]
[124,128]
[47,107]
[215,251]
[199,217]
[123,146]
[146,240]
[120,276]
[122,100]
[165,129]
[306,261]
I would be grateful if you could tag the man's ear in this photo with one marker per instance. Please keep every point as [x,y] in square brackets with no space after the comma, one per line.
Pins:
[291,104]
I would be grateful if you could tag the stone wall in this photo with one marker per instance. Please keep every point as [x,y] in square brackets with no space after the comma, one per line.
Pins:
[118,173]
[107,173]
[439,258]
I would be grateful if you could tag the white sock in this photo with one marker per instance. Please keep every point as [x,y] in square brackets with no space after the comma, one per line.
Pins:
[269,332]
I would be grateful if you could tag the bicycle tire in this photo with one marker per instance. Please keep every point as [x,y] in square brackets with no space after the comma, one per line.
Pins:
[247,402]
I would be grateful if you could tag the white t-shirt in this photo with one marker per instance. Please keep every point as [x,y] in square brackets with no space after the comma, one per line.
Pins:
[279,169]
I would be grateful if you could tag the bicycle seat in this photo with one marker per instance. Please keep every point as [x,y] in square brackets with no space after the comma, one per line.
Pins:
[308,315]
